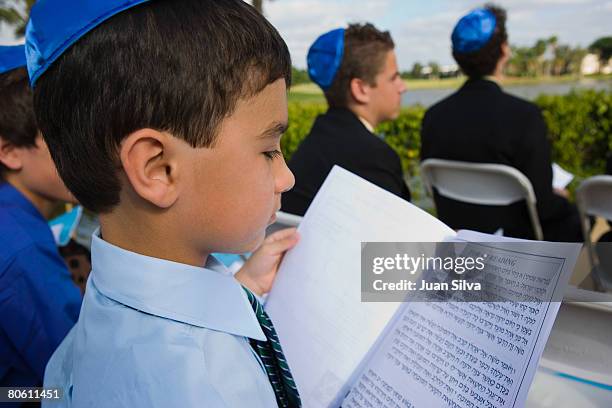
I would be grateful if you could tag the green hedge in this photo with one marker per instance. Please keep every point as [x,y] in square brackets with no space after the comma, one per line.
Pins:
[404,135]
[579,123]
[580,129]
[301,118]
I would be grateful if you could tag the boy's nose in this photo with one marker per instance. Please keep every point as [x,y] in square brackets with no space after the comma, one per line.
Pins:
[286,180]
[402,86]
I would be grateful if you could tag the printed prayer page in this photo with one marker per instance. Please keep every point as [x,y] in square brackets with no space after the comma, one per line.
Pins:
[471,354]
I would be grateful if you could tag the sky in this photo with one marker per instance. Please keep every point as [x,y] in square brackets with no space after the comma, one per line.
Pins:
[421,28]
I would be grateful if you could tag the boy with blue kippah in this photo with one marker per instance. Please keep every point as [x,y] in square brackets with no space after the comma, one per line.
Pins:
[482,123]
[38,301]
[357,70]
[165,117]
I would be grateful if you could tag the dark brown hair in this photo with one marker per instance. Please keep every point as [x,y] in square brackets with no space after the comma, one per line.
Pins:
[175,66]
[481,63]
[365,50]
[17,119]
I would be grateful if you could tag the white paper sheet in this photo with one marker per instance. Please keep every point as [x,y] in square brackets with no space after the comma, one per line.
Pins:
[561,177]
[315,303]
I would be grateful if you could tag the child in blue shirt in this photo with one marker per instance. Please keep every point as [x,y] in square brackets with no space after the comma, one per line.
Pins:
[165,117]
[38,301]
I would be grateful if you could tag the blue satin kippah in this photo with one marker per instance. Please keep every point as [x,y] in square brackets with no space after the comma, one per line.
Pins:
[11,57]
[325,56]
[473,31]
[57,24]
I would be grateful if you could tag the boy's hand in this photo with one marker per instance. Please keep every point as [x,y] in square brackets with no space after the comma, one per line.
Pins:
[260,269]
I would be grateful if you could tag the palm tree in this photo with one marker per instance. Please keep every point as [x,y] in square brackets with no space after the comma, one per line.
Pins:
[603,47]
[15,13]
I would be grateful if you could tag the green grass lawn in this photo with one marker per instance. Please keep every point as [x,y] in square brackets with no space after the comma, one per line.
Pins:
[306,97]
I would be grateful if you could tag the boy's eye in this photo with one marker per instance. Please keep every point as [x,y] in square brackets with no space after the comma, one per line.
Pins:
[271,155]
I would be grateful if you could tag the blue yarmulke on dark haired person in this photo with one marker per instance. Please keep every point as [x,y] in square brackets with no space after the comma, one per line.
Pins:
[473,31]
[325,56]
[55,25]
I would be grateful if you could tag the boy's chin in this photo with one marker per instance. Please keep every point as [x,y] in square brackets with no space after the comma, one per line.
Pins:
[61,196]
[62,199]
[253,244]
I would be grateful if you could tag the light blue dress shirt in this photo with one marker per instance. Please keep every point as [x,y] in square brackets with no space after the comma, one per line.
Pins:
[156,333]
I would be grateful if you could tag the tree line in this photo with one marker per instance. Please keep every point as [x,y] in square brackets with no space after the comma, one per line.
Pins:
[546,57]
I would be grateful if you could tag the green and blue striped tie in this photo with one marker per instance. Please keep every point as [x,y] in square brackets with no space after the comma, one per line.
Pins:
[272,357]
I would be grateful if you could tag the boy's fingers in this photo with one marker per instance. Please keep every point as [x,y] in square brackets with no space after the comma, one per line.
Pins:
[282,234]
[283,242]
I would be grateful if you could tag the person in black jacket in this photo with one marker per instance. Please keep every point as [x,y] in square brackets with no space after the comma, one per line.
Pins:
[481,123]
[357,70]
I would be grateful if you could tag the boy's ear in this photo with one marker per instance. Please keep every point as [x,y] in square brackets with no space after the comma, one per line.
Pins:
[10,155]
[150,167]
[360,90]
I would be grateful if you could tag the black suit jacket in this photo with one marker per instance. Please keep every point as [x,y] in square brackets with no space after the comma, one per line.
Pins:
[481,123]
[339,137]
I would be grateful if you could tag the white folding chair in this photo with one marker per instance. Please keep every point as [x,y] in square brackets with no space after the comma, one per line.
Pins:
[594,198]
[284,220]
[481,183]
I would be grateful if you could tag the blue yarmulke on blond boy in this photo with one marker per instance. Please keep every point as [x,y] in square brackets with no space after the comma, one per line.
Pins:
[55,25]
[473,31]
[325,56]
[11,57]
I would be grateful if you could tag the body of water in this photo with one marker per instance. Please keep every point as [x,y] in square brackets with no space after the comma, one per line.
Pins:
[428,97]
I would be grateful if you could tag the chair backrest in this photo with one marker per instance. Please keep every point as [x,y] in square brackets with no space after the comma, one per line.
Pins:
[284,220]
[481,183]
[594,198]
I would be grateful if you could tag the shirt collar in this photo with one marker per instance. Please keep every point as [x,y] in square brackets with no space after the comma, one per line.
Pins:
[10,196]
[206,297]
[367,124]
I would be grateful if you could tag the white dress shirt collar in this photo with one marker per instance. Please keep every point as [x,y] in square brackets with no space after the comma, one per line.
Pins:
[206,297]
